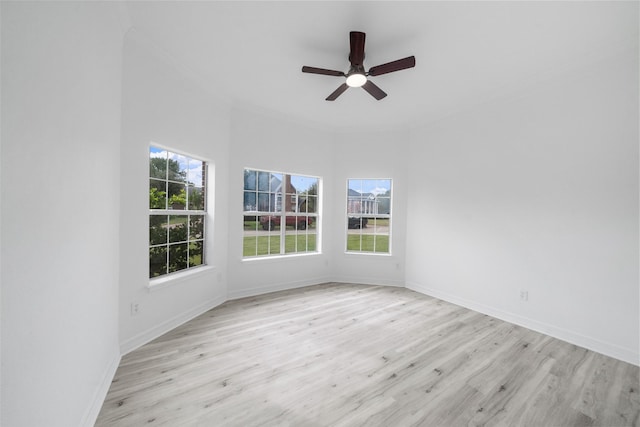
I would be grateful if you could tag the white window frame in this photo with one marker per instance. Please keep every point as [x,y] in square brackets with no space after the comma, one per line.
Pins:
[366,212]
[206,181]
[281,212]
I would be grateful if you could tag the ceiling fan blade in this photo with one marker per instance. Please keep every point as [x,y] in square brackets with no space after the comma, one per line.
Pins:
[374,90]
[323,71]
[336,93]
[390,67]
[356,54]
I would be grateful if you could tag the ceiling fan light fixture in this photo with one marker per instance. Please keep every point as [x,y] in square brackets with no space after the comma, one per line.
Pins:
[356,80]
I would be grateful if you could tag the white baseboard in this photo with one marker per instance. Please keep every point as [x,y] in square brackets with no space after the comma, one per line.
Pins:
[153,333]
[612,350]
[359,280]
[274,287]
[251,292]
[91,414]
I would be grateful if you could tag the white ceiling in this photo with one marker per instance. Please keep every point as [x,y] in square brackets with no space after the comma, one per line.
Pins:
[467,53]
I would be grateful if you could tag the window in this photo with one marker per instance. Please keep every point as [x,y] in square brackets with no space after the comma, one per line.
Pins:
[280,213]
[177,212]
[369,215]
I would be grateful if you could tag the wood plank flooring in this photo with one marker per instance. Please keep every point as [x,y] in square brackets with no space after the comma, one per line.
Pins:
[355,355]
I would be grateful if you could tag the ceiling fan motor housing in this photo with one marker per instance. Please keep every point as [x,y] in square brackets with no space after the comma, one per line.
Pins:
[356,69]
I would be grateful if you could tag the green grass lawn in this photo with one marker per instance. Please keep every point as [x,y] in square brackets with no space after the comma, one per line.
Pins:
[270,245]
[300,243]
[252,225]
[368,243]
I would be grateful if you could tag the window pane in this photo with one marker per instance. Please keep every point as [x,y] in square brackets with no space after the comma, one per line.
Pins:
[303,222]
[177,196]
[177,228]
[250,201]
[249,247]
[157,261]
[157,194]
[384,205]
[196,198]
[196,227]
[382,244]
[355,187]
[178,167]
[311,204]
[250,179]
[196,253]
[157,163]
[158,229]
[265,202]
[276,201]
[263,181]
[250,223]
[384,187]
[195,174]
[177,257]
[276,182]
[353,242]
[354,197]
[291,203]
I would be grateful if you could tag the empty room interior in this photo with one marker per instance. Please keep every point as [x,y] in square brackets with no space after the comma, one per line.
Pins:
[319,213]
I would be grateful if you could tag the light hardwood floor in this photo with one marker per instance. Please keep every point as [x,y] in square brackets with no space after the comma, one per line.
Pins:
[355,355]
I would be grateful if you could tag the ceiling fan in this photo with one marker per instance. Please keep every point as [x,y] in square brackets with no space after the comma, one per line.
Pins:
[357,76]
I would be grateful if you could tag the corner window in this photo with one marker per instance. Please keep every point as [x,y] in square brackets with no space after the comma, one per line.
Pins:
[280,213]
[177,212]
[369,215]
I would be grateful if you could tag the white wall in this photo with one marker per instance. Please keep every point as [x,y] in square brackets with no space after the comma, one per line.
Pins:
[268,142]
[537,193]
[162,105]
[370,155]
[61,81]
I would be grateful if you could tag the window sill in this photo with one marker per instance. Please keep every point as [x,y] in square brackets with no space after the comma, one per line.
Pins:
[353,253]
[280,257]
[175,278]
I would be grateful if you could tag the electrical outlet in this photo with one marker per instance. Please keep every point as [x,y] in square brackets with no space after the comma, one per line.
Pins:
[524,295]
[135,308]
